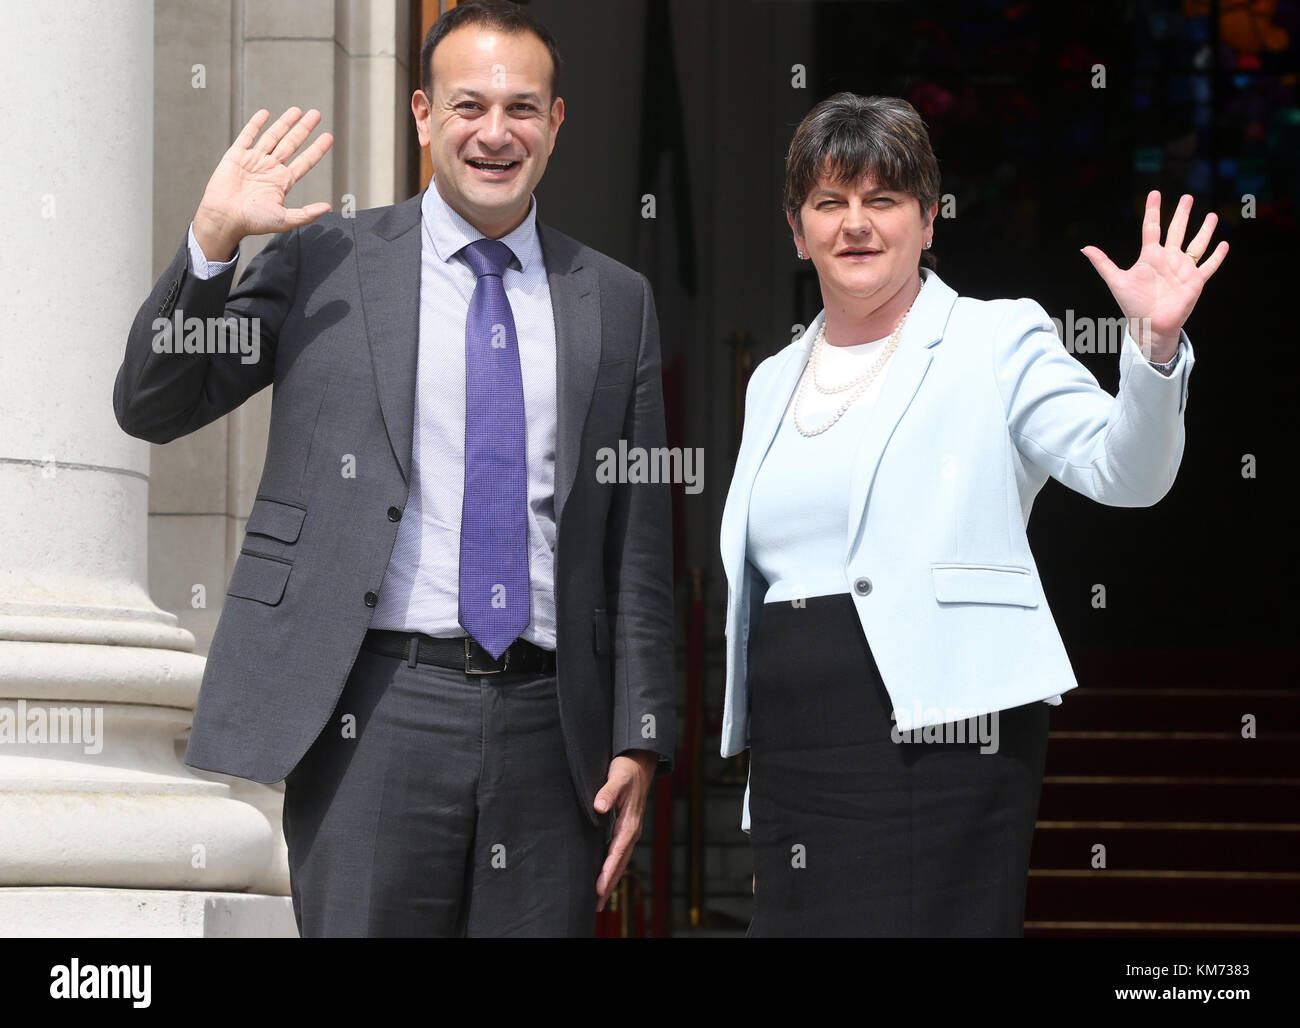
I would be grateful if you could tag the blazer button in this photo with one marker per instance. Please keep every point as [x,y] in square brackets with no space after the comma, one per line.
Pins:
[862,586]
[394,514]
[371,599]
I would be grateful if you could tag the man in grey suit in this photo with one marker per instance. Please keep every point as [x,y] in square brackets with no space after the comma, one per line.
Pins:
[449,638]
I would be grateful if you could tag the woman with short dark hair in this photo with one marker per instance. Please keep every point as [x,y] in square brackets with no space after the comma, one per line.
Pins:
[890,651]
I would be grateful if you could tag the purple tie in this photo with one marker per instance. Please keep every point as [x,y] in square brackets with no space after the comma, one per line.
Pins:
[494,585]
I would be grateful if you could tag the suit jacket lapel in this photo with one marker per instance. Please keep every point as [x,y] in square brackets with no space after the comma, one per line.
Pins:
[575,304]
[772,403]
[922,330]
[388,262]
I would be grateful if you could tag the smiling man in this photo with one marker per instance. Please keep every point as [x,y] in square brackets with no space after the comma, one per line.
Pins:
[449,637]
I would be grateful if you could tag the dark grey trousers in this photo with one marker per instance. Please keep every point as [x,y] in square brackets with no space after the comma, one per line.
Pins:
[435,803]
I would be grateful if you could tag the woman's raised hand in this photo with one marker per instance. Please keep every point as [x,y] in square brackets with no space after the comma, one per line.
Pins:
[1163,285]
[245,195]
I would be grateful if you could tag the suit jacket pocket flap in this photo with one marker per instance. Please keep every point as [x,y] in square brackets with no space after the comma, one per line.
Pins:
[259,578]
[983,583]
[600,631]
[616,373]
[276,519]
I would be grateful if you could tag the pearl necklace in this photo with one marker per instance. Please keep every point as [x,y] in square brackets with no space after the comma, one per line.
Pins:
[856,386]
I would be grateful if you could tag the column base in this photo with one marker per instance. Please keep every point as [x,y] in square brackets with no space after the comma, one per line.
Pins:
[58,912]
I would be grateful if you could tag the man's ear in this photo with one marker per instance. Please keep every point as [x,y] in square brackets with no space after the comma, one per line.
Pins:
[422,110]
[557,119]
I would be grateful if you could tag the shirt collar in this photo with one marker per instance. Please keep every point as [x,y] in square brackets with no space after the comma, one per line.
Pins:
[450,233]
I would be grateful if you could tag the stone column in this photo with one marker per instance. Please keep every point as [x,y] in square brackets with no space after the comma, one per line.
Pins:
[103,830]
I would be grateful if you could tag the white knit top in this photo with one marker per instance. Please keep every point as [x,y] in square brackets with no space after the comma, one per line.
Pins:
[799,507]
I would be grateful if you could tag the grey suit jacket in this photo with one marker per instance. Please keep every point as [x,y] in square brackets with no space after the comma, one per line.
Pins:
[337,303]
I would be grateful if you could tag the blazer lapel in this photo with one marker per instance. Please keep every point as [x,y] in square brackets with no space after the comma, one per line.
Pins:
[388,263]
[923,329]
[575,305]
[771,402]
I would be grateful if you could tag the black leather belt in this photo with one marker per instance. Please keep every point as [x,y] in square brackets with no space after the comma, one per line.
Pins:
[463,654]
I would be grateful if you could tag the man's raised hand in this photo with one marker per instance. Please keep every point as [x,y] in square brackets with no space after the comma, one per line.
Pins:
[245,195]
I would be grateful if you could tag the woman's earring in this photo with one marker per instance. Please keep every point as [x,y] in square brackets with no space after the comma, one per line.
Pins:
[927,243]
[802,256]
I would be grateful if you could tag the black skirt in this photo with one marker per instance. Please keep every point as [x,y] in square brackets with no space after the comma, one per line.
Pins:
[855,834]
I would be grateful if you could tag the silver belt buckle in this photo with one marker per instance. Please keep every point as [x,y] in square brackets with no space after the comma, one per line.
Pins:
[469,649]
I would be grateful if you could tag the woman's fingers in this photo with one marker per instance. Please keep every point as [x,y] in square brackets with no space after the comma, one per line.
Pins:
[1151,219]
[1210,266]
[1201,241]
[1178,223]
[1104,265]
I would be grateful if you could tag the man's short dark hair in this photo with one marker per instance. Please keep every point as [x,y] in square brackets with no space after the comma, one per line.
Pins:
[493,14]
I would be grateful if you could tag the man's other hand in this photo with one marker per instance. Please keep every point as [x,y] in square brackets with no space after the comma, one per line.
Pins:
[630,775]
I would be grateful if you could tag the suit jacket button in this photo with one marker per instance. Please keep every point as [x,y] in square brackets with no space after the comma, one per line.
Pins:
[394,514]
[371,599]
[862,586]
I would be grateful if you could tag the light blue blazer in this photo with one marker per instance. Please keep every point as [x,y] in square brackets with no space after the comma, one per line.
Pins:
[981,404]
